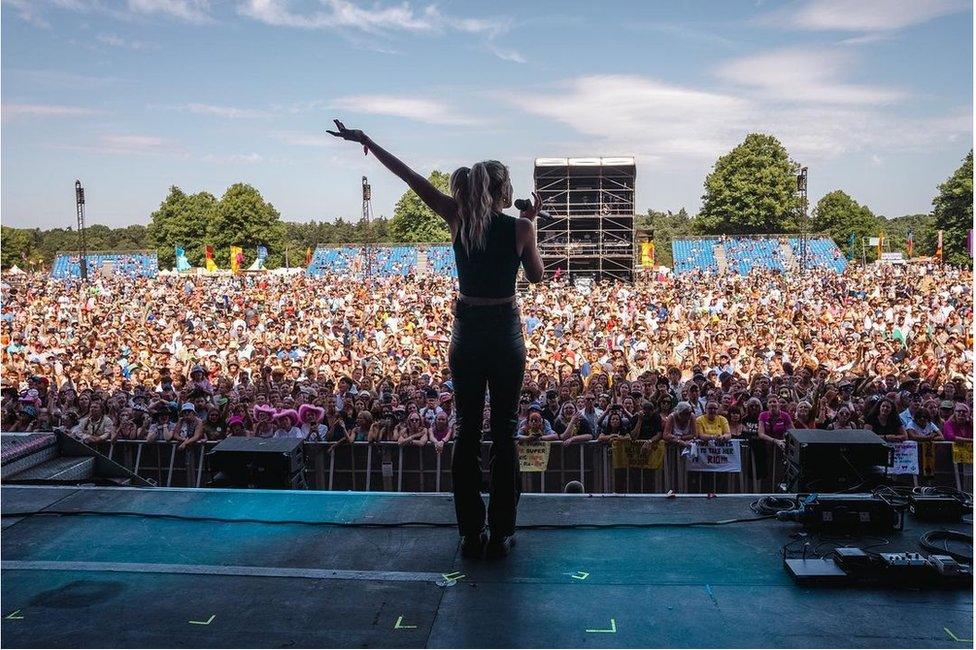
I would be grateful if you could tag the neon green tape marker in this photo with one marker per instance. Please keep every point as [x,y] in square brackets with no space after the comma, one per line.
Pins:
[206,622]
[612,630]
[400,626]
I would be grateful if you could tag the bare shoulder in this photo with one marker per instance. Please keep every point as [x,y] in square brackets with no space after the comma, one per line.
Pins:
[524,227]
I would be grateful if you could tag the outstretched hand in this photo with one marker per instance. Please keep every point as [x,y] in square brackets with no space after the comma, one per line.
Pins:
[353,135]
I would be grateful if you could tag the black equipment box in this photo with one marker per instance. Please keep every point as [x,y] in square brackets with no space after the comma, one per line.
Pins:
[822,452]
[258,462]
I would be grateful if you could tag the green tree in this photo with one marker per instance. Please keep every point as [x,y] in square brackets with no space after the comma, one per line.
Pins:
[954,212]
[666,226]
[921,228]
[839,215]
[243,218]
[15,244]
[413,221]
[181,220]
[752,189]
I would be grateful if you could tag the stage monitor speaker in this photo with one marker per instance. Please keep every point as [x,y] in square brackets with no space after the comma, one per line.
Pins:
[841,460]
[275,463]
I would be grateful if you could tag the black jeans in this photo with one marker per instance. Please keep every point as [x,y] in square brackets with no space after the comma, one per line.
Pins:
[487,350]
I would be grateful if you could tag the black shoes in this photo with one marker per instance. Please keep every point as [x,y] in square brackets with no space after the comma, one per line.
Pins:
[500,546]
[473,546]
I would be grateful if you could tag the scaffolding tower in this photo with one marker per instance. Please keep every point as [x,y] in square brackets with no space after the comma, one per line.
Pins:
[590,233]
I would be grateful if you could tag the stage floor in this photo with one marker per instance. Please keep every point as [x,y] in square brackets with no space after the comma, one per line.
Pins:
[137,581]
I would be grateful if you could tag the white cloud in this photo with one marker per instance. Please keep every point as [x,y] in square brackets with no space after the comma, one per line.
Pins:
[191,11]
[863,15]
[413,108]
[113,40]
[338,14]
[234,159]
[629,110]
[227,112]
[630,114]
[506,54]
[20,111]
[304,139]
[806,75]
[135,144]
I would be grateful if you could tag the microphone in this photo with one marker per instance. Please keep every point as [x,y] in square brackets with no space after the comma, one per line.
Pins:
[524,204]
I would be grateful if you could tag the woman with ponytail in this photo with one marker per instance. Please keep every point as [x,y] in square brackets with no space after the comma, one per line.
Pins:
[487,349]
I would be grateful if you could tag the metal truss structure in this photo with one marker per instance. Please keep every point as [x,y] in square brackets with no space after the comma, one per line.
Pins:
[591,204]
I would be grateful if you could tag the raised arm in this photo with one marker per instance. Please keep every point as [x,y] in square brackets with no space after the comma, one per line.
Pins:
[436,200]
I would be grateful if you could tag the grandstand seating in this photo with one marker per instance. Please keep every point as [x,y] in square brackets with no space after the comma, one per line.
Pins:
[743,254]
[694,254]
[822,252]
[388,260]
[142,264]
[441,259]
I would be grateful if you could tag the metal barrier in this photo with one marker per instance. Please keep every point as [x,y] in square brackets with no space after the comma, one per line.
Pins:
[391,467]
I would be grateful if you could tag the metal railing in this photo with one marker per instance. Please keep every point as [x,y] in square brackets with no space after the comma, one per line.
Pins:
[391,467]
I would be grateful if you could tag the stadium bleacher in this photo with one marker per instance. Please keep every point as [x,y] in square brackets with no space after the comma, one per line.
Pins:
[387,260]
[692,254]
[441,260]
[744,254]
[822,252]
[136,264]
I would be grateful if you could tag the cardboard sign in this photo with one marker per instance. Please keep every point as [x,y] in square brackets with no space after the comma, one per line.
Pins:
[714,457]
[630,454]
[906,458]
[962,452]
[533,457]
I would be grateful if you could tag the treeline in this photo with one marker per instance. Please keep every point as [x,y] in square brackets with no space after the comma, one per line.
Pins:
[750,190]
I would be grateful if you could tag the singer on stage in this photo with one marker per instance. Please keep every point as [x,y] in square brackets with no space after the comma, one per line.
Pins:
[487,349]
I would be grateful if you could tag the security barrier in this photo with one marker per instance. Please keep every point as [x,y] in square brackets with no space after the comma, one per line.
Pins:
[391,467]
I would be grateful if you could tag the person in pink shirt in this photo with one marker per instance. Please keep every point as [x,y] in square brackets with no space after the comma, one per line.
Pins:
[774,423]
[960,425]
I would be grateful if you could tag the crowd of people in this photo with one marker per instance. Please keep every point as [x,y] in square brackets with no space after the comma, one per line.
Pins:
[340,359]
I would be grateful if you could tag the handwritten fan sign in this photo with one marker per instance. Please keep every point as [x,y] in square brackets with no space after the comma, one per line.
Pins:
[715,457]
[906,458]
[630,454]
[962,452]
[533,457]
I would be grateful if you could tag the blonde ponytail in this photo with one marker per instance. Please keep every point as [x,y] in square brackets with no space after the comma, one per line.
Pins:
[475,190]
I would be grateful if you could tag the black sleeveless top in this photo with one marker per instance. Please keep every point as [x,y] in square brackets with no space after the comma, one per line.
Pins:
[490,273]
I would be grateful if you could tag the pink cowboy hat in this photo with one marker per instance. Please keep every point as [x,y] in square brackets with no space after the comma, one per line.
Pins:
[263,408]
[291,414]
[311,408]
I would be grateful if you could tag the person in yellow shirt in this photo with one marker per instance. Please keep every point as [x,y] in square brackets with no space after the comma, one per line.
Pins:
[711,424]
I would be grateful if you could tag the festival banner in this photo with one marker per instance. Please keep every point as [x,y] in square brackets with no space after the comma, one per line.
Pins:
[182,264]
[906,458]
[630,454]
[647,254]
[208,253]
[880,243]
[910,243]
[533,457]
[236,258]
[938,245]
[308,256]
[962,452]
[714,457]
[851,241]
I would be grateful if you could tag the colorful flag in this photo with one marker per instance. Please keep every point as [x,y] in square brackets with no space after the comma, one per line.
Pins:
[308,256]
[262,252]
[236,258]
[851,241]
[910,244]
[938,246]
[880,243]
[208,253]
[182,264]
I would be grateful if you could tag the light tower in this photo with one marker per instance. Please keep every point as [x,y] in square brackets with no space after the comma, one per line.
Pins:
[82,244]
[366,216]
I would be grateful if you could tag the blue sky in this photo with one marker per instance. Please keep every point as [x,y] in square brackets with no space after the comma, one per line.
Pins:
[132,96]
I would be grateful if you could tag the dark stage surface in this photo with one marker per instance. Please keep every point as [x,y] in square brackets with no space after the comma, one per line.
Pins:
[110,581]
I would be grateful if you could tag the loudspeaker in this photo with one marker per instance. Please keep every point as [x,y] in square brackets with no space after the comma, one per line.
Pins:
[275,463]
[834,461]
